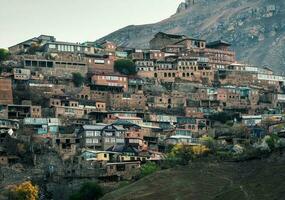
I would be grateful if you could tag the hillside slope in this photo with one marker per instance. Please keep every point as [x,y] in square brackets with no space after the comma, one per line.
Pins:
[255,180]
[256,28]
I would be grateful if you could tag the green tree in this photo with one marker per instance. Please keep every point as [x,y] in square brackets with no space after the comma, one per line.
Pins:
[77,79]
[125,66]
[148,169]
[88,191]
[4,54]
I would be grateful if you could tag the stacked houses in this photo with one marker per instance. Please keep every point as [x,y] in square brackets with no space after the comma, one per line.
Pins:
[123,120]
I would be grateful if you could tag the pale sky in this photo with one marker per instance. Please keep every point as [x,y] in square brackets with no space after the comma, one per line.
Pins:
[76,20]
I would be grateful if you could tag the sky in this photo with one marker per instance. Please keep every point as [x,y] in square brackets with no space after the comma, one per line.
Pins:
[76,20]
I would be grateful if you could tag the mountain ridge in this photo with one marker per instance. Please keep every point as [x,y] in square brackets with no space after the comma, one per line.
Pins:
[255,28]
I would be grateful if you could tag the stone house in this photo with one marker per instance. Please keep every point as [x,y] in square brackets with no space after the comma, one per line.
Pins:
[6,95]
[101,137]
[108,46]
[111,80]
[24,111]
[161,40]
[195,125]
[167,101]
[66,145]
[21,74]
[42,126]
[100,63]
[61,66]
[127,101]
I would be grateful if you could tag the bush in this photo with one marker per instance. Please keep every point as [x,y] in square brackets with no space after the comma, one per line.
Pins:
[25,191]
[273,141]
[125,66]
[224,155]
[148,169]
[77,79]
[209,142]
[182,154]
[4,54]
[88,191]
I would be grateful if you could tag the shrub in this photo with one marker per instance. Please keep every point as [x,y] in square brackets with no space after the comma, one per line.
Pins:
[25,191]
[77,79]
[125,66]
[182,154]
[224,155]
[209,142]
[4,54]
[88,191]
[272,141]
[148,169]
[263,146]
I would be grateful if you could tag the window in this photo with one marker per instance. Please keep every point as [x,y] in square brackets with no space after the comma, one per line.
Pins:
[89,133]
[52,46]
[97,133]
[89,141]
[107,140]
[109,134]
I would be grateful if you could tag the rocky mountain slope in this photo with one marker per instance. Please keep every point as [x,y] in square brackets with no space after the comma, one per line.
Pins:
[256,179]
[256,28]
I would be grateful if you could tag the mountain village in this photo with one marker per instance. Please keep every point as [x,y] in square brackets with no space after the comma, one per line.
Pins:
[102,111]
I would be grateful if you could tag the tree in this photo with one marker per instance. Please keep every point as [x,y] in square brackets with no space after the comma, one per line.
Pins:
[25,191]
[240,131]
[77,79]
[181,153]
[88,191]
[209,142]
[148,169]
[125,66]
[4,54]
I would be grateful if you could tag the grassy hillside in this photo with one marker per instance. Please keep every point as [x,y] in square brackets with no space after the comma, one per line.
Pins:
[258,179]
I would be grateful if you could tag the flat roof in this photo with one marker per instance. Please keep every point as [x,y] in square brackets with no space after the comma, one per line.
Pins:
[217,43]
